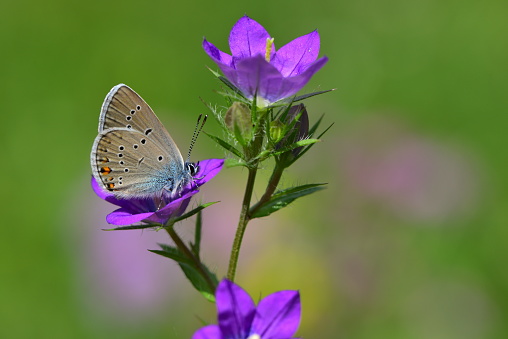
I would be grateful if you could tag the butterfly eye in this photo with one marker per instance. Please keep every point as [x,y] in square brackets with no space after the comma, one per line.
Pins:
[192,168]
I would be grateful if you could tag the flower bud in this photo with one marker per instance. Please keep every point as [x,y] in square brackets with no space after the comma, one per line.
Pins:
[300,129]
[276,130]
[238,118]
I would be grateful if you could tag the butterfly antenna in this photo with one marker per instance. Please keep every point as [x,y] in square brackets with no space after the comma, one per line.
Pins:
[196,134]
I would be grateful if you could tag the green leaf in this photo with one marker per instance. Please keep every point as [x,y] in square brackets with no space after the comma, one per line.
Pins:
[194,211]
[172,253]
[297,144]
[308,95]
[192,273]
[285,197]
[196,247]
[226,145]
[230,162]
[306,149]
[199,282]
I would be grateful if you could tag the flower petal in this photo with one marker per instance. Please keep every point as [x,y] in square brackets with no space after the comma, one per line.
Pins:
[278,315]
[123,217]
[247,38]
[172,210]
[217,55]
[208,332]
[207,170]
[290,86]
[235,308]
[255,76]
[295,57]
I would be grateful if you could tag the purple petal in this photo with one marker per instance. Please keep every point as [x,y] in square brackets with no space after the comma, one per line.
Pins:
[134,213]
[254,76]
[217,55]
[295,57]
[278,315]
[247,38]
[290,86]
[123,217]
[207,170]
[235,308]
[208,332]
[172,210]
[101,193]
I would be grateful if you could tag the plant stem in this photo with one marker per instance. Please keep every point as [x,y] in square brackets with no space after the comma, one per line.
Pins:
[270,188]
[188,253]
[242,224]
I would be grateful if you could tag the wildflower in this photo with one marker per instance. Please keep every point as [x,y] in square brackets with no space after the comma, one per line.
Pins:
[258,70]
[277,316]
[147,210]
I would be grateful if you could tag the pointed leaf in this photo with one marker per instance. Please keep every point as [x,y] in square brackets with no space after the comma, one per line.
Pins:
[172,253]
[285,197]
[196,246]
[194,211]
[308,95]
[230,162]
[132,227]
[308,147]
[294,145]
[226,145]
[199,282]
[191,272]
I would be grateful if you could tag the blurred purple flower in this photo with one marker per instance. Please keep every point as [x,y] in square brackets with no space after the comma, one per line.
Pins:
[146,210]
[277,316]
[257,69]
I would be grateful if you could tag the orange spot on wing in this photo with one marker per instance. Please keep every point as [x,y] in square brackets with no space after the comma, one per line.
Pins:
[105,170]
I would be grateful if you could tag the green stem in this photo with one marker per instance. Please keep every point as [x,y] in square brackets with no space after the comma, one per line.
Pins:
[270,188]
[242,224]
[188,253]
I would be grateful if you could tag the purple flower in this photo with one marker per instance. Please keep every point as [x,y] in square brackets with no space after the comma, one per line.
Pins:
[257,69]
[277,316]
[146,210]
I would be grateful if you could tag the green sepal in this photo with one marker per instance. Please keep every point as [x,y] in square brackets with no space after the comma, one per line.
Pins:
[305,149]
[226,145]
[192,212]
[132,227]
[190,271]
[297,144]
[268,153]
[308,95]
[285,197]
[230,162]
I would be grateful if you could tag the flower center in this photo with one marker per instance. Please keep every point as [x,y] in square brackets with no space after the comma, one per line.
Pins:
[268,49]
[254,336]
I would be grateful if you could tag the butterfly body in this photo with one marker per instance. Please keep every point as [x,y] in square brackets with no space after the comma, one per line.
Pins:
[133,156]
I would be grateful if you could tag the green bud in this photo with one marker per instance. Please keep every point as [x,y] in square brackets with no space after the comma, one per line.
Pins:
[238,120]
[276,130]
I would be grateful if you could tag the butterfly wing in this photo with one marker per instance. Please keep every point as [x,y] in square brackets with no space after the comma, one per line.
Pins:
[125,108]
[134,155]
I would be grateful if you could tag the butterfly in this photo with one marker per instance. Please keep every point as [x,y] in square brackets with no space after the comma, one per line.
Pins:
[133,156]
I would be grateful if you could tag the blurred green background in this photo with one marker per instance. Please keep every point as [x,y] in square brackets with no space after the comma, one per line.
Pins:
[409,241]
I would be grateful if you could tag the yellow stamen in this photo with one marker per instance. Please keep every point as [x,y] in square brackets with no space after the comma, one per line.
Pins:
[269,44]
